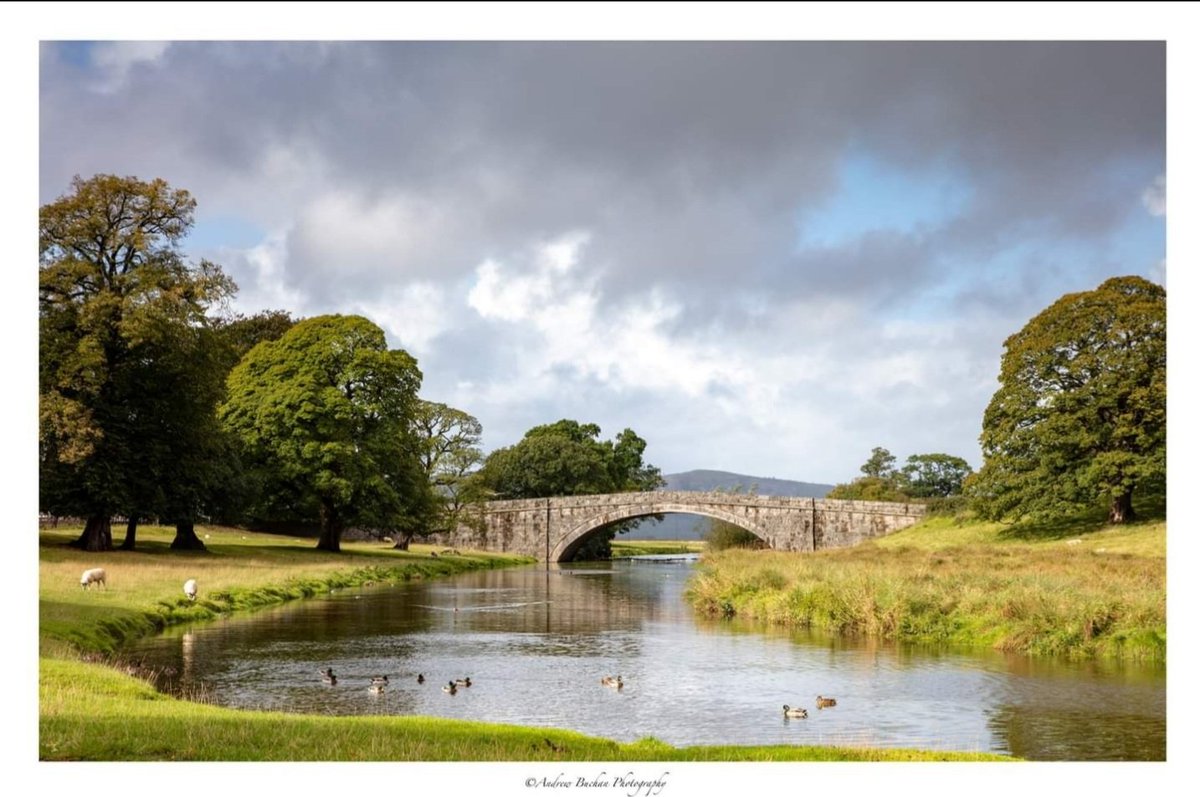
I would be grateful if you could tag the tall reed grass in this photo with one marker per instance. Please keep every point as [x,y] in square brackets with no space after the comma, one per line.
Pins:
[965,584]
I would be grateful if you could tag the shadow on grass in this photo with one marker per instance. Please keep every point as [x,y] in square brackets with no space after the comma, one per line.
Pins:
[1149,509]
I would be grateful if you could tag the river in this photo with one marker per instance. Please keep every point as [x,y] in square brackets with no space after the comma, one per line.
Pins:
[536,642]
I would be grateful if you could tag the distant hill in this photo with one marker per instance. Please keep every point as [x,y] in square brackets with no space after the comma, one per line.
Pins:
[702,480]
[688,527]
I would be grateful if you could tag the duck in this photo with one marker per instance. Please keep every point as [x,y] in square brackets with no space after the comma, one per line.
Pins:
[420,677]
[463,681]
[328,676]
[377,689]
[825,702]
[450,688]
[614,683]
[797,713]
[379,680]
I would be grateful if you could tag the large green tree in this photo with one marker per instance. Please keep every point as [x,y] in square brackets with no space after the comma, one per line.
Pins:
[1081,413]
[569,458]
[934,475]
[123,352]
[449,454]
[325,415]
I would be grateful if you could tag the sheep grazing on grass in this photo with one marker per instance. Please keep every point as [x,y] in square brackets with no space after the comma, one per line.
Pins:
[94,576]
[189,589]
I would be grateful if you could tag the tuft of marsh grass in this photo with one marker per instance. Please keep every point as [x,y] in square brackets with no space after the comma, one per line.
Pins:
[1097,593]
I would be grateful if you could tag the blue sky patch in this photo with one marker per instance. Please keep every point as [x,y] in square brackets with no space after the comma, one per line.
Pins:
[874,195]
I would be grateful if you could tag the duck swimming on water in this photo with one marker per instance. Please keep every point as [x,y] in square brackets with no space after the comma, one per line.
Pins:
[328,677]
[420,677]
[450,688]
[612,683]
[825,702]
[796,713]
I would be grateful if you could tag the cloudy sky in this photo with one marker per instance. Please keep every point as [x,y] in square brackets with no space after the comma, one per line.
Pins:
[764,257]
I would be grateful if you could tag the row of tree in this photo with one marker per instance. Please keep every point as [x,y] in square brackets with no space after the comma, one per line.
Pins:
[153,404]
[922,476]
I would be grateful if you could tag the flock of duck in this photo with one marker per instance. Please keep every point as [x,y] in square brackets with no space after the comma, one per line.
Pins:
[380,683]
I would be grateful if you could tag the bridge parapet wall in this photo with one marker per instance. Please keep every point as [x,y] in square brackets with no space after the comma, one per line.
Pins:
[551,528]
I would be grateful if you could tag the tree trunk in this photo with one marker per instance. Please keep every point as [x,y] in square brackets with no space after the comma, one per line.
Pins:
[97,534]
[130,534]
[1121,509]
[402,543]
[185,537]
[331,529]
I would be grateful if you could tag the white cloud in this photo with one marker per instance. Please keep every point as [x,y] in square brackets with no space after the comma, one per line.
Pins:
[1154,197]
[114,60]
[413,316]
[261,275]
[1158,272]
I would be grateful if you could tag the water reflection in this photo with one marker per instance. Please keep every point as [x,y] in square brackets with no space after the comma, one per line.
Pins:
[536,642]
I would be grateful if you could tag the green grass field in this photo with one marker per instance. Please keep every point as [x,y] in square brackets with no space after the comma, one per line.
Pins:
[90,710]
[1078,588]
[625,548]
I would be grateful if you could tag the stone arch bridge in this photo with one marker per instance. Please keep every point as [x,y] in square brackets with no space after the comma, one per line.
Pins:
[553,529]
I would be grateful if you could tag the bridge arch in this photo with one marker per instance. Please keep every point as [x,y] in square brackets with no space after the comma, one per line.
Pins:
[574,538]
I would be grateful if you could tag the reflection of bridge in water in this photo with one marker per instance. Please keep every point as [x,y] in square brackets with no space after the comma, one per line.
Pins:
[553,529]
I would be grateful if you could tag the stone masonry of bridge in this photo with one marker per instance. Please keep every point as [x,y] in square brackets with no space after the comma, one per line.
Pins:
[552,529]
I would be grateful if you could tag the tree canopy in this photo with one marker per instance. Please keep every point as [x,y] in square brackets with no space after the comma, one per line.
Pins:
[325,415]
[569,458]
[126,379]
[1081,414]
[449,453]
[923,476]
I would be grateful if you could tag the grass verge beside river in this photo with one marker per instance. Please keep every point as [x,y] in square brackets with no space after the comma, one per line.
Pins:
[94,712]
[1078,589]
[623,549]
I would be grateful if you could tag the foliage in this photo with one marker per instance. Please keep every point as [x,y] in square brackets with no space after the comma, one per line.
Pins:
[1081,414]
[449,453]
[924,476]
[934,475]
[870,488]
[127,384]
[720,535]
[325,415]
[568,458]
[240,333]
[880,464]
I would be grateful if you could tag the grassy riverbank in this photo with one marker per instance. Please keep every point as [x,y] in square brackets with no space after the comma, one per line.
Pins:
[89,710]
[1078,589]
[95,713]
[623,549]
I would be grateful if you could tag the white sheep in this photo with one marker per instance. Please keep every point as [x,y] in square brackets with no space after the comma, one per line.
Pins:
[189,588]
[94,576]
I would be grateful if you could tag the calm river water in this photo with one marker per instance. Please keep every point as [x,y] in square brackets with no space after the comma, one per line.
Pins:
[536,643]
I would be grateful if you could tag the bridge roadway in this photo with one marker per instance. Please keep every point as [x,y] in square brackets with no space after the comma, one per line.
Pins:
[552,529]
